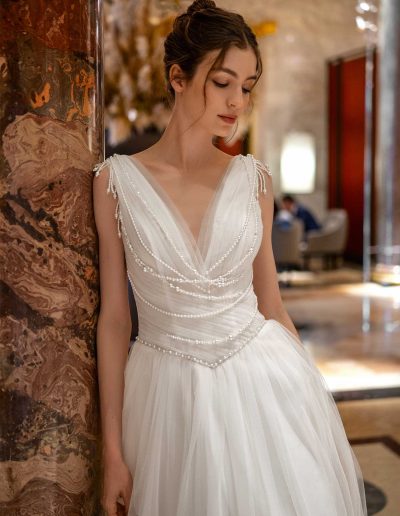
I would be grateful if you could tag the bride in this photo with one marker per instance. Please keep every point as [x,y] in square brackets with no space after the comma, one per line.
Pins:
[218,410]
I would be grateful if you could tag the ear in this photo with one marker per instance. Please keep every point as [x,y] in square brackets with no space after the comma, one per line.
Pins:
[177,78]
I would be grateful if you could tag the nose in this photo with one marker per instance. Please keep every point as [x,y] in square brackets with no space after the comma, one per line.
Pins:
[236,99]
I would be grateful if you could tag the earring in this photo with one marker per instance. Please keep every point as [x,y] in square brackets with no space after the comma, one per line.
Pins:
[227,140]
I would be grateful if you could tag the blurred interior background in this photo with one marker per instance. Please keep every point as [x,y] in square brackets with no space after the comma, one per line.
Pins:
[324,120]
[80,77]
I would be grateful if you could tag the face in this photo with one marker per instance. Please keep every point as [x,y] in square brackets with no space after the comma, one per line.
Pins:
[287,205]
[227,91]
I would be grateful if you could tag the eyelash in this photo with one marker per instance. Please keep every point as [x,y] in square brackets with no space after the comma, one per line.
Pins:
[220,85]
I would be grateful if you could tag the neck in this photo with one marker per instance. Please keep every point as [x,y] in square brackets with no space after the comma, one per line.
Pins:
[184,146]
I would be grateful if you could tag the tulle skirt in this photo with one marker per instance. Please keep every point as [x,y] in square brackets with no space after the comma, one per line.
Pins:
[259,435]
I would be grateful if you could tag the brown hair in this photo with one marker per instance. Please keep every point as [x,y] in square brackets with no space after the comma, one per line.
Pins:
[204,27]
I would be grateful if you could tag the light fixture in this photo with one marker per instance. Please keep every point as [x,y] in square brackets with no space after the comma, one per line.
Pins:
[366,7]
[132,115]
[298,163]
[366,19]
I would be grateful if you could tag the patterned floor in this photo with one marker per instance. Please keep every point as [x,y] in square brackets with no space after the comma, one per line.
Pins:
[355,362]
[361,367]
[373,429]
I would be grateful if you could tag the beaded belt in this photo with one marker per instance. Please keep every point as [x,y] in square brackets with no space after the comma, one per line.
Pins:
[258,323]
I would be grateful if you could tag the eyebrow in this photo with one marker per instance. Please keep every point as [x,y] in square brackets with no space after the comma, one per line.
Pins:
[233,73]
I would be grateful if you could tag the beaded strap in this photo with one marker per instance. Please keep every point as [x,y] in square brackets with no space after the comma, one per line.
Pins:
[110,188]
[261,168]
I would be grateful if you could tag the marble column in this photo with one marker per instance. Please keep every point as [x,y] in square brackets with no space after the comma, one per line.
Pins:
[388,179]
[51,129]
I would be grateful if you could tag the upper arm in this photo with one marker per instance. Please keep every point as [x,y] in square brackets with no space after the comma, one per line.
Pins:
[114,305]
[265,279]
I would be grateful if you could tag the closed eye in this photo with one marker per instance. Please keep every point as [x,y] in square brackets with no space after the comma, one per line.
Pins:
[220,84]
[224,85]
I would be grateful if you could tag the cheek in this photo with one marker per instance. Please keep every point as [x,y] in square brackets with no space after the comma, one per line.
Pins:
[215,99]
[213,93]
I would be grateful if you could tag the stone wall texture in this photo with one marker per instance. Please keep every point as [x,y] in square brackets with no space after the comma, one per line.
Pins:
[50,127]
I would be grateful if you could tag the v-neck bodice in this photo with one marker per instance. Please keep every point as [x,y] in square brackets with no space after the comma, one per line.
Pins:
[197,243]
[177,280]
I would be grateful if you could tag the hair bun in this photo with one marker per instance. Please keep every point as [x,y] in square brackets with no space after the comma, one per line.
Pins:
[200,5]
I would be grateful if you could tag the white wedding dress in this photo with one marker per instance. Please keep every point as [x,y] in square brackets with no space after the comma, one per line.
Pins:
[225,412]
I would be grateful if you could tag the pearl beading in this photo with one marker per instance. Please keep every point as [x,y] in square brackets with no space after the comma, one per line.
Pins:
[210,297]
[230,337]
[148,250]
[189,316]
[260,169]
[250,250]
[258,166]
[208,363]
[236,241]
[171,242]
[154,217]
[144,245]
[258,184]
[218,281]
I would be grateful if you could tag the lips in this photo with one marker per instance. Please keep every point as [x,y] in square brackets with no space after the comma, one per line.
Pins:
[228,119]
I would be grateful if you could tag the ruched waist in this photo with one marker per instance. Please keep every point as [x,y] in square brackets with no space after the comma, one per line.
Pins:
[209,352]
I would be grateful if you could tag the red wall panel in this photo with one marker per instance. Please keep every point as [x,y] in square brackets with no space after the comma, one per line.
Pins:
[352,150]
[346,139]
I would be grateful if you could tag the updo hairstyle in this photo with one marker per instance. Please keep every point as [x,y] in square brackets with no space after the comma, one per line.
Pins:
[203,28]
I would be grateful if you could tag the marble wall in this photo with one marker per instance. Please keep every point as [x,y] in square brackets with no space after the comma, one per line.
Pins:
[292,93]
[51,129]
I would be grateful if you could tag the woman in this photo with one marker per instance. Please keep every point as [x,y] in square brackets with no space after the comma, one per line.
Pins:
[218,410]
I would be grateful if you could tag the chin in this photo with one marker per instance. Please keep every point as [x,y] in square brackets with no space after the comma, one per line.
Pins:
[222,134]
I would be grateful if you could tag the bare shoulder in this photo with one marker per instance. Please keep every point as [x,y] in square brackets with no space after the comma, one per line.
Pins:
[112,264]
[148,156]
[142,155]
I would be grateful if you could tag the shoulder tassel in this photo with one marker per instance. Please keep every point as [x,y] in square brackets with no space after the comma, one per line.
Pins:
[261,169]
[111,188]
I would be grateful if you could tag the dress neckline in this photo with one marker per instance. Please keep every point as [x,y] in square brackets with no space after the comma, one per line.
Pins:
[197,244]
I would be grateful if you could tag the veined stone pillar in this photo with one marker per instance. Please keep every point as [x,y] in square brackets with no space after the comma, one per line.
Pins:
[51,129]
[388,178]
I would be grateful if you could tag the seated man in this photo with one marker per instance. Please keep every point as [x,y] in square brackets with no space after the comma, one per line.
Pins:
[299,211]
[282,218]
